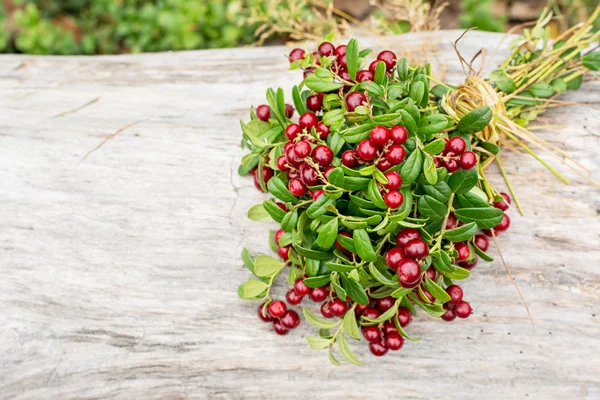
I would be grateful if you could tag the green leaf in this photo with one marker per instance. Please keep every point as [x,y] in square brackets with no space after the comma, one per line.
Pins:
[273,209]
[356,183]
[429,170]
[440,294]
[319,207]
[432,124]
[267,266]
[289,221]
[340,267]
[317,281]
[458,273]
[411,168]
[313,254]
[375,196]
[252,289]
[441,261]
[435,147]
[328,234]
[378,276]
[440,90]
[387,120]
[462,233]
[352,58]
[417,91]
[330,118]
[472,200]
[463,180]
[402,69]
[485,218]
[278,189]
[318,322]
[379,72]
[350,325]
[440,191]
[354,290]
[346,352]
[249,161]
[258,213]
[482,254]
[389,314]
[321,84]
[431,208]
[275,100]
[363,245]
[542,90]
[475,121]
[332,358]
[318,343]
[592,60]
[312,267]
[491,147]
[504,82]
[358,133]
[247,260]
[298,102]
[347,243]
[409,122]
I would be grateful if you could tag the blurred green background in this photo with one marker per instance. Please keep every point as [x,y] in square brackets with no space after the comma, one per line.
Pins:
[132,26]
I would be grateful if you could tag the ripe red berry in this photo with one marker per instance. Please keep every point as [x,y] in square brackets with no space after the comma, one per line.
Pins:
[394,341]
[344,73]
[293,298]
[404,316]
[416,248]
[385,303]
[279,328]
[371,333]
[278,234]
[468,159]
[371,313]
[302,149]
[322,155]
[323,130]
[340,51]
[314,103]
[456,294]
[380,136]
[373,67]
[394,180]
[364,76]
[431,273]
[308,175]
[292,131]
[463,251]
[328,171]
[452,222]
[396,154]
[296,187]
[263,112]
[449,315]
[317,294]
[393,257]
[308,71]
[290,319]
[366,150]
[326,49]
[354,99]
[482,242]
[378,348]
[293,173]
[456,145]
[277,308]
[399,134]
[463,310]
[326,310]
[296,54]
[300,288]
[338,307]
[267,173]
[503,205]
[263,313]
[389,327]
[393,199]
[349,158]
[308,120]
[288,145]
[468,265]
[437,162]
[504,224]
[289,110]
[343,62]
[316,194]
[384,165]
[451,165]
[406,235]
[409,273]
[282,164]
[389,58]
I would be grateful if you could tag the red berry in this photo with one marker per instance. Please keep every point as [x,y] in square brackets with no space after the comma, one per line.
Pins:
[384,165]
[371,313]
[278,235]
[491,232]
[290,319]
[393,257]
[296,187]
[342,61]
[289,110]
[349,158]
[364,75]
[338,307]
[437,162]
[317,294]
[380,136]
[292,131]
[354,99]
[344,75]
[406,235]
[282,164]
[404,316]
[394,180]
[302,149]
[326,49]
[297,54]
[451,165]
[456,145]
[263,112]
[326,310]
[389,58]
[277,308]
[463,310]
[468,265]
[409,273]
[308,120]
[396,154]
[366,150]
[316,194]
[452,222]
[449,316]
[308,175]
[378,348]
[322,155]
[393,199]
[468,159]
[416,248]
[456,294]
[293,173]
[300,288]
[371,333]
[288,145]
[328,171]
[279,328]
[482,242]
[308,71]
[463,251]
[373,67]
[394,341]
[267,174]
[389,327]
[314,103]
[282,206]
[293,298]
[385,303]
[323,130]
[340,51]
[503,205]
[431,273]
[264,315]
[399,134]
[503,225]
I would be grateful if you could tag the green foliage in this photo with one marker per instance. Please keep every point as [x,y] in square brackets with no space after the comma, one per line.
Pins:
[478,13]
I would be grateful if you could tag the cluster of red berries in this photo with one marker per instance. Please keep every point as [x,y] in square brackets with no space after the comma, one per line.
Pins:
[456,307]
[505,223]
[454,156]
[385,336]
[403,258]
[282,318]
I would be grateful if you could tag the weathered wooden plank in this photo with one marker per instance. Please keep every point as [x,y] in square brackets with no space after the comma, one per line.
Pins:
[119,271]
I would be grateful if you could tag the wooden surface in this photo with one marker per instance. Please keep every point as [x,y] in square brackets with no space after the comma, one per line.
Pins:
[119,271]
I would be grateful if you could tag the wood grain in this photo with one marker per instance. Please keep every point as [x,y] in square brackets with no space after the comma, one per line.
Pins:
[120,269]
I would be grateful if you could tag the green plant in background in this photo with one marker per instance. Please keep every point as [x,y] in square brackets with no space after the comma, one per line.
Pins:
[478,13]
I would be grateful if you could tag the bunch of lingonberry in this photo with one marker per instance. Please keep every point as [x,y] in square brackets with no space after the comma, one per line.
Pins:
[378,197]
